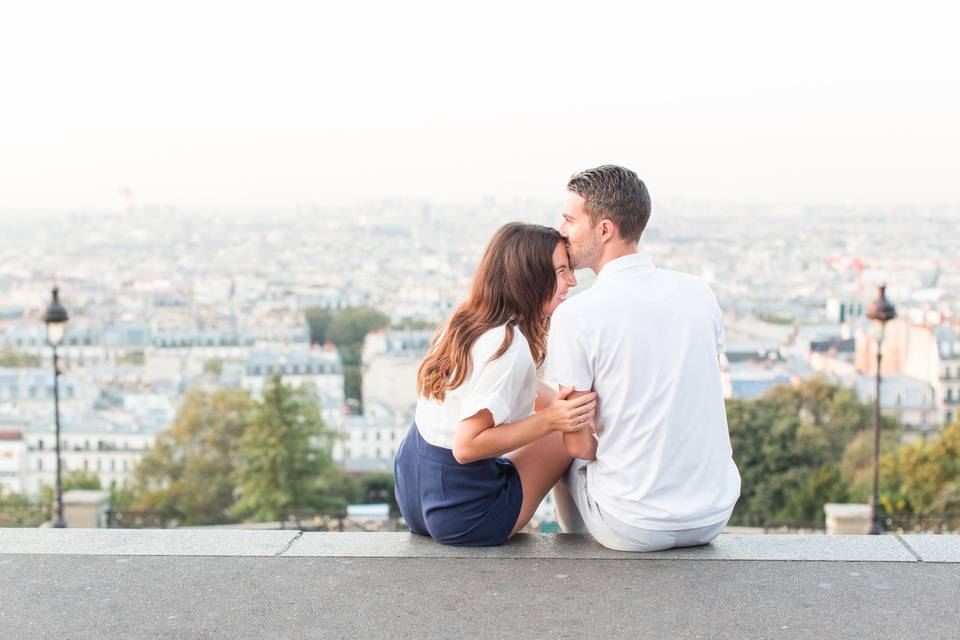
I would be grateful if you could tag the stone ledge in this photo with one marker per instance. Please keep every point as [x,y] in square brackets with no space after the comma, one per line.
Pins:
[533,546]
[144,542]
[290,543]
[928,548]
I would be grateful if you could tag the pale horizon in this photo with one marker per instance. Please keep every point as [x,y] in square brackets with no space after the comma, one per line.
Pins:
[226,106]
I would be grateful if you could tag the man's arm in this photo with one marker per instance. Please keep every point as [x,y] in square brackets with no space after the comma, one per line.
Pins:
[570,364]
[581,444]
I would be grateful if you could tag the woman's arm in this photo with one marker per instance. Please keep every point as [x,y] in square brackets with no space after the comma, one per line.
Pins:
[478,438]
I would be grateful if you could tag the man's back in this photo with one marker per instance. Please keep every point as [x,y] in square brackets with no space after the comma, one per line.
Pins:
[647,341]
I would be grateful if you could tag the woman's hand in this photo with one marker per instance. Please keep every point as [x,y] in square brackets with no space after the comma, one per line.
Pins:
[568,416]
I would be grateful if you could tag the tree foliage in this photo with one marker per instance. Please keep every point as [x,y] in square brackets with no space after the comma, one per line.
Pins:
[346,329]
[11,358]
[351,326]
[923,478]
[76,479]
[229,457]
[319,319]
[189,472]
[789,446]
[17,510]
[284,459]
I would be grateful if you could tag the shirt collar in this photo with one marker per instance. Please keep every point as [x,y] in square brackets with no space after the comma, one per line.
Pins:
[632,263]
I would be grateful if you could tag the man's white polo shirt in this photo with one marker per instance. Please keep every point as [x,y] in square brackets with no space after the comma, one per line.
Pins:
[647,340]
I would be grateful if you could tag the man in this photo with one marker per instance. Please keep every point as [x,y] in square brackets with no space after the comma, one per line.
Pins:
[647,340]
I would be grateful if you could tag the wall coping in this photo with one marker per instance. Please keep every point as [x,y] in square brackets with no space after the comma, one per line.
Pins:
[297,544]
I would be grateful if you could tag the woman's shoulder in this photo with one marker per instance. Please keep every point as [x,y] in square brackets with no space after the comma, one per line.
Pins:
[490,341]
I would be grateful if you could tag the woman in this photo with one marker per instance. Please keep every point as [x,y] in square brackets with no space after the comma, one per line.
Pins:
[477,392]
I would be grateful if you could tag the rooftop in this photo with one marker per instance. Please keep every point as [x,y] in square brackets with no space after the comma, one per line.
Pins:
[256,583]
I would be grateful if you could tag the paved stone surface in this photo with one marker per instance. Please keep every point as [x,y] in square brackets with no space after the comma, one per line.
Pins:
[727,547]
[945,548]
[104,597]
[145,542]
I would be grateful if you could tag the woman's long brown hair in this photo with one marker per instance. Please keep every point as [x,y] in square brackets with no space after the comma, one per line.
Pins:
[514,281]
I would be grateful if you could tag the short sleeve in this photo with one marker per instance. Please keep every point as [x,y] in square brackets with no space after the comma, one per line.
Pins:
[721,338]
[496,385]
[569,362]
[720,333]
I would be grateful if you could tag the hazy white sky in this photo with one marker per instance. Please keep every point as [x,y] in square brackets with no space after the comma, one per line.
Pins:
[273,103]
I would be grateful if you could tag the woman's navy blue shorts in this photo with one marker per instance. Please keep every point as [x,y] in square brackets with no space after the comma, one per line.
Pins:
[473,505]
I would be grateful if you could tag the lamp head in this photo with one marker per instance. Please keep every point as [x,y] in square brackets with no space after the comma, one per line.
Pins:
[880,310]
[55,317]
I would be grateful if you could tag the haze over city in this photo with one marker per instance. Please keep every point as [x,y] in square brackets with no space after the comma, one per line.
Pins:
[238,105]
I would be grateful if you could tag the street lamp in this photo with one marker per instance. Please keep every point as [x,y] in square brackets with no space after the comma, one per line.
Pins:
[880,312]
[55,317]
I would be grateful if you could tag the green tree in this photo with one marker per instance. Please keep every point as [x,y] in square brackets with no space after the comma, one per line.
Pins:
[189,473]
[213,366]
[857,464]
[76,479]
[353,386]
[17,510]
[415,324]
[136,358]
[789,445]
[121,498]
[319,319]
[11,358]
[351,326]
[379,488]
[284,463]
[923,477]
[347,331]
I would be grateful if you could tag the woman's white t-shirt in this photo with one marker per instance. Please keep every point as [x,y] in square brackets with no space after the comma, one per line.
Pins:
[507,387]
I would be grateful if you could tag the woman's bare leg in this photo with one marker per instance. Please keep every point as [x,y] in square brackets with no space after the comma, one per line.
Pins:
[540,464]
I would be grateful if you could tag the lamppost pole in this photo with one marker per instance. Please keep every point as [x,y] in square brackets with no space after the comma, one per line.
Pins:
[875,527]
[55,317]
[59,522]
[880,311]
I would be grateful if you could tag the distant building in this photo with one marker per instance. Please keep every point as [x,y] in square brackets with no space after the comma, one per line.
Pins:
[279,327]
[109,444]
[34,386]
[184,351]
[753,351]
[13,460]
[922,351]
[750,380]
[911,401]
[82,341]
[834,357]
[390,362]
[843,311]
[370,444]
[317,369]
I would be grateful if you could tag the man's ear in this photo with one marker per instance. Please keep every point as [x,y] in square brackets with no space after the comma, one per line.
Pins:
[608,230]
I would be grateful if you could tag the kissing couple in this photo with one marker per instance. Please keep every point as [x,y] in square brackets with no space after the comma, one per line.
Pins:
[612,398]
